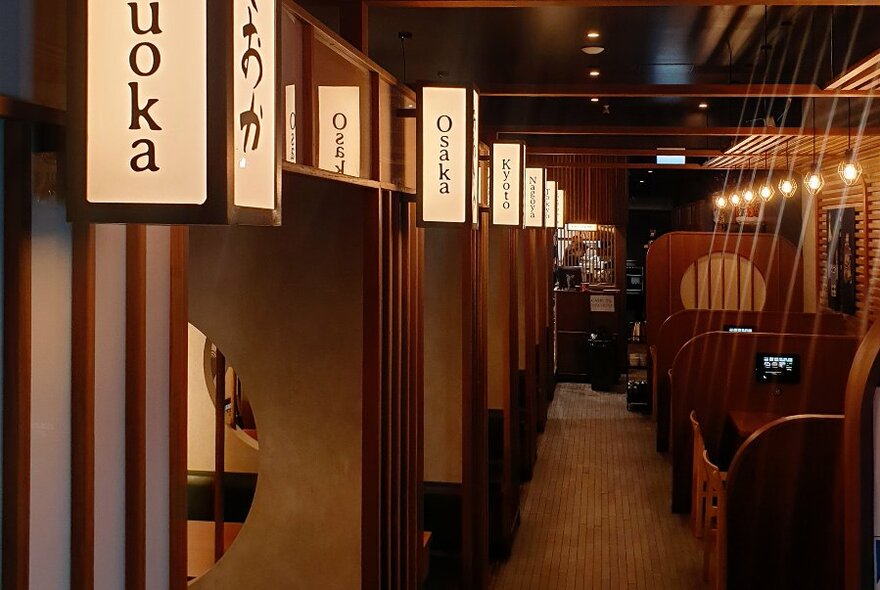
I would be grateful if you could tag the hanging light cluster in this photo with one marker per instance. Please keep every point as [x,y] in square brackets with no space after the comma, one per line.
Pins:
[849,170]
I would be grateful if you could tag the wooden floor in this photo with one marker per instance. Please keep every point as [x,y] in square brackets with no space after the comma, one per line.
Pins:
[596,514]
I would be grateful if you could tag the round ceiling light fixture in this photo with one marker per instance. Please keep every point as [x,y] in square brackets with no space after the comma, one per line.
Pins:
[704,105]
[594,99]
[592,49]
[594,73]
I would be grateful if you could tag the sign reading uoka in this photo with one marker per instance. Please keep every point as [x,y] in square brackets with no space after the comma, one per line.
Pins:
[290,123]
[507,183]
[339,129]
[172,115]
[446,173]
[550,203]
[146,113]
[253,89]
[533,202]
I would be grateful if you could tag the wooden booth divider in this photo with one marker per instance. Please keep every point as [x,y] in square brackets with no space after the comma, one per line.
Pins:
[527,361]
[714,374]
[785,503]
[683,325]
[705,270]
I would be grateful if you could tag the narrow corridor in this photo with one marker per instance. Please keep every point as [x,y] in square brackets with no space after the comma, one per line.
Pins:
[596,514]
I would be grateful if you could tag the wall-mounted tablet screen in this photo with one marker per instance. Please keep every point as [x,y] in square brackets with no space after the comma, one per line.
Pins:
[739,329]
[777,368]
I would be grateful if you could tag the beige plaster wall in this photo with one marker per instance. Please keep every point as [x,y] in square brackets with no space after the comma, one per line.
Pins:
[442,290]
[286,307]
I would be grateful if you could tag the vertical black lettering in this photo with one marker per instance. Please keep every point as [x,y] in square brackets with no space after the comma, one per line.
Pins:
[155,59]
[148,156]
[154,19]
[138,112]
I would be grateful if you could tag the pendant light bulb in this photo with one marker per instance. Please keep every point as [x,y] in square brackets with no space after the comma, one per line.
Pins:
[849,169]
[814,181]
[720,202]
[748,196]
[788,187]
[734,199]
[766,191]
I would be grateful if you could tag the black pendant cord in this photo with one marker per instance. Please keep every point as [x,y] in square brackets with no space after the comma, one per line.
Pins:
[813,109]
[848,124]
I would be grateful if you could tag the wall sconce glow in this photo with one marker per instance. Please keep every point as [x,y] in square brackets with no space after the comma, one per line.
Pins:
[446,162]
[533,205]
[550,203]
[507,176]
[582,226]
[849,169]
[788,187]
[814,181]
[173,116]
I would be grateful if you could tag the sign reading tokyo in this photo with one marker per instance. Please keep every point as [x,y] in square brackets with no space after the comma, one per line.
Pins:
[550,203]
[172,115]
[507,183]
[446,156]
[533,205]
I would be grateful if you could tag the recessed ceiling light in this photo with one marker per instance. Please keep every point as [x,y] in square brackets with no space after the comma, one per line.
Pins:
[594,73]
[593,35]
[704,105]
[594,99]
[642,181]
[592,49]
[650,172]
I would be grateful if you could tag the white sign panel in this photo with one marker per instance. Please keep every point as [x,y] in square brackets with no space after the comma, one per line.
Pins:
[533,203]
[507,183]
[290,123]
[444,152]
[560,208]
[602,303]
[253,90]
[339,129]
[550,203]
[475,162]
[146,100]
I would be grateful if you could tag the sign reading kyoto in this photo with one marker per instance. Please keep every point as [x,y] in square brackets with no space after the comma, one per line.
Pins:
[507,183]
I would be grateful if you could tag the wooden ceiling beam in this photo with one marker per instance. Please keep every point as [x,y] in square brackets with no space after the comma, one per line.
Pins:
[626,152]
[673,131]
[596,3]
[702,91]
[544,163]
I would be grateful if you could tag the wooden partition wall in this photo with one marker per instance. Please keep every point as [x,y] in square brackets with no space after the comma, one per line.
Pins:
[686,324]
[784,521]
[527,359]
[715,373]
[705,270]
[456,406]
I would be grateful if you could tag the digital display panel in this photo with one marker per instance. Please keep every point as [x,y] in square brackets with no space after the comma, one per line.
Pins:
[777,368]
[739,329]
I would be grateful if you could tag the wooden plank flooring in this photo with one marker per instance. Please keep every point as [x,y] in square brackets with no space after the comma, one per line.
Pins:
[596,514]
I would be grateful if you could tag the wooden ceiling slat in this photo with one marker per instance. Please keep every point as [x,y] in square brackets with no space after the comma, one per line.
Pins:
[670,90]
[676,131]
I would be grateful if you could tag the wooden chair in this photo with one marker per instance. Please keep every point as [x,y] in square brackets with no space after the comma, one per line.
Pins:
[699,484]
[714,532]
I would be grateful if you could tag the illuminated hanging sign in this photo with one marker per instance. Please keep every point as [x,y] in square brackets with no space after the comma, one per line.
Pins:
[172,115]
[533,202]
[550,203]
[339,129]
[290,123]
[560,208]
[507,176]
[447,156]
[476,184]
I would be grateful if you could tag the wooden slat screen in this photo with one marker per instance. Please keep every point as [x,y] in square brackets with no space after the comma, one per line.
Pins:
[592,195]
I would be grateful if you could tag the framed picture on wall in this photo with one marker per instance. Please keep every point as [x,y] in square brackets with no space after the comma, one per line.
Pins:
[841,272]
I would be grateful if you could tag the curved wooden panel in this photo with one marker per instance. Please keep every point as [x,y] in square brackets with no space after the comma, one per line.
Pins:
[724,286]
[784,507]
[858,448]
[683,325]
[714,373]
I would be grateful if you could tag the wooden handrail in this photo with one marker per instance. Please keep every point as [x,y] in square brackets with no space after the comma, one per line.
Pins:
[20,110]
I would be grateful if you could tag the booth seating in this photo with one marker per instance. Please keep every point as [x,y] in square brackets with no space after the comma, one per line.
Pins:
[784,521]
[684,325]
[714,375]
[707,515]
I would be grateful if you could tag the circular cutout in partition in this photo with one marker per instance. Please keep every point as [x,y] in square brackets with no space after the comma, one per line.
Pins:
[723,280]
